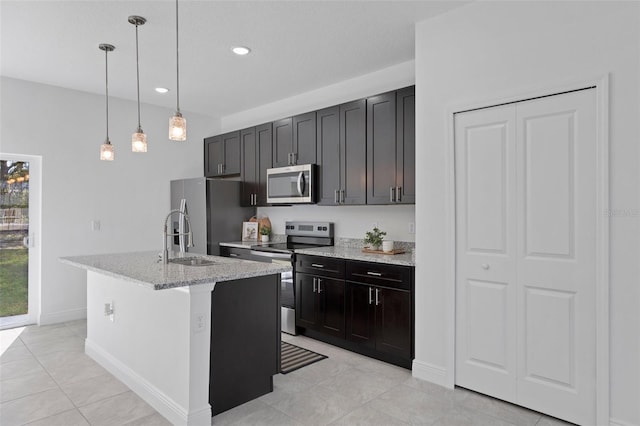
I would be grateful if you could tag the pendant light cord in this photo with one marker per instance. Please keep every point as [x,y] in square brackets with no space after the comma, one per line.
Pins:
[177,65]
[138,77]
[106,86]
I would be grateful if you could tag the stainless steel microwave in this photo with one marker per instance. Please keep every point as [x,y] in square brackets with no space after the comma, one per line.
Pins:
[291,184]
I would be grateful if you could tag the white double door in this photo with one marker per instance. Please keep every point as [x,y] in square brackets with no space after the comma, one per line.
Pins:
[525,253]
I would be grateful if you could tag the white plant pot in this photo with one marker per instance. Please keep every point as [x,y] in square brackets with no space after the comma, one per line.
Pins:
[264,238]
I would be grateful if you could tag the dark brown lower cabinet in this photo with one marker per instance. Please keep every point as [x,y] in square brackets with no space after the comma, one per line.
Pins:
[320,304]
[380,318]
[364,307]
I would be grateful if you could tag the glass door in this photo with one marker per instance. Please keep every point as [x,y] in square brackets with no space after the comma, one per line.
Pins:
[14,235]
[17,263]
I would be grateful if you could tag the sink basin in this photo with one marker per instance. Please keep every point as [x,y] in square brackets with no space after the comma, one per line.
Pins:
[193,261]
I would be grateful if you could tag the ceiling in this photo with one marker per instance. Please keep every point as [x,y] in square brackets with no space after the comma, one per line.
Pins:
[297,46]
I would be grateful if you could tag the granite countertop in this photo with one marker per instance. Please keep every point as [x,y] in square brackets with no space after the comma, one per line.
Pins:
[406,259]
[144,268]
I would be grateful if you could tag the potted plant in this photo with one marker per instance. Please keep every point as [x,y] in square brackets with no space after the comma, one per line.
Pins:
[265,231]
[374,238]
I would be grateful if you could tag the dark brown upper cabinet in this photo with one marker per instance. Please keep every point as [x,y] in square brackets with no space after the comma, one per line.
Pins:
[294,140]
[256,158]
[222,155]
[391,147]
[341,138]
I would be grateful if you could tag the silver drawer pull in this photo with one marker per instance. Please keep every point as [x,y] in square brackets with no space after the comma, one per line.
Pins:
[233,255]
[370,296]
[317,265]
[375,274]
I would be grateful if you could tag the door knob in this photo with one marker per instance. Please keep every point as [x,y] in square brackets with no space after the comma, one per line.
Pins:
[485,266]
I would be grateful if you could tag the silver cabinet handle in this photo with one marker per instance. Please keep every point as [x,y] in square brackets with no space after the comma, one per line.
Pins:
[301,183]
[319,286]
[375,274]
[392,194]
[255,199]
[398,194]
[314,285]
[485,266]
[342,196]
[234,255]
[294,160]
[335,196]
[370,295]
[377,296]
[317,265]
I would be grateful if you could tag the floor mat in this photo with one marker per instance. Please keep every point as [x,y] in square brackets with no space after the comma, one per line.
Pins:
[294,357]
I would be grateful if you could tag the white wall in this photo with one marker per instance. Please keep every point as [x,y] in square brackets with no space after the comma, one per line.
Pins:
[350,221]
[489,50]
[129,196]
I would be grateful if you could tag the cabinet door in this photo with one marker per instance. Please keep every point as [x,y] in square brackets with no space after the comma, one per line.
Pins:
[331,302]
[406,145]
[381,148]
[304,138]
[282,142]
[231,164]
[353,158]
[264,136]
[360,327]
[393,321]
[328,155]
[213,156]
[248,170]
[306,301]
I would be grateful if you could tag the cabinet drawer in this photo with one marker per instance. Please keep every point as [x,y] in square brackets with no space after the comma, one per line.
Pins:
[379,274]
[320,265]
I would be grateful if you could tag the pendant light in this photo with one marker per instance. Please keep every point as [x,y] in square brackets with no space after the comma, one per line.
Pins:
[177,123]
[138,138]
[106,149]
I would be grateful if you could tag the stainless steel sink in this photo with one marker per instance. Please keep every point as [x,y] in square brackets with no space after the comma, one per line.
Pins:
[193,261]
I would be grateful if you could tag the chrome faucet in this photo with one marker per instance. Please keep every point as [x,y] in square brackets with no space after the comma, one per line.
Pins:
[165,250]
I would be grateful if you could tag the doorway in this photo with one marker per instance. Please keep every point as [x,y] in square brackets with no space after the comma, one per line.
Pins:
[526,253]
[19,226]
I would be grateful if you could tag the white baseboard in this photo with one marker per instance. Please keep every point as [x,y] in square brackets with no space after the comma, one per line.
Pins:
[62,316]
[618,422]
[430,373]
[166,406]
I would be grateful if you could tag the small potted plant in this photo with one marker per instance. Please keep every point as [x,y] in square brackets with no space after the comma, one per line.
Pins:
[374,238]
[265,231]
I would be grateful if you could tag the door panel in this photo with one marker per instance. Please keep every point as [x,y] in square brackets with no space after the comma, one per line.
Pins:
[304,138]
[485,241]
[381,147]
[353,152]
[556,255]
[361,311]
[549,184]
[248,165]
[486,188]
[331,298]
[306,301]
[393,322]
[329,168]
[264,138]
[282,142]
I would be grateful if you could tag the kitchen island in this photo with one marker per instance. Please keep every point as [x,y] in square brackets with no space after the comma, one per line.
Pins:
[192,341]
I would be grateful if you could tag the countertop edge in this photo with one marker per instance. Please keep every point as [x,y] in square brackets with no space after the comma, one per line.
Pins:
[357,254]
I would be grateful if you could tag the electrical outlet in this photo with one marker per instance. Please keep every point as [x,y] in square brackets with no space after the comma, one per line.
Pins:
[412,228]
[200,322]
[95,225]
[109,311]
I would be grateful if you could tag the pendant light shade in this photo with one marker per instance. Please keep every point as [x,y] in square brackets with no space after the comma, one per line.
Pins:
[106,149]
[177,123]
[138,138]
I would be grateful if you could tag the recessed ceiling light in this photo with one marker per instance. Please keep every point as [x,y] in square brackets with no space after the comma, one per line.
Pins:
[162,89]
[240,50]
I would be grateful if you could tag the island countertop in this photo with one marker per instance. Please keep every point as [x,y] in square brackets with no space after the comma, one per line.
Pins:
[144,268]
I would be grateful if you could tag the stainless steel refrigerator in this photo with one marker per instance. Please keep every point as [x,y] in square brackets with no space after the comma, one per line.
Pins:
[214,209]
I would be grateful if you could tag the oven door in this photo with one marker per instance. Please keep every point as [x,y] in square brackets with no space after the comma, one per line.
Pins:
[291,185]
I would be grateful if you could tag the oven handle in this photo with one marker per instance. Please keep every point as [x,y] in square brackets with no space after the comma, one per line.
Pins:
[271,255]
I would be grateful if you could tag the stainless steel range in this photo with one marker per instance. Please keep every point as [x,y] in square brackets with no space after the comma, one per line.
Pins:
[299,235]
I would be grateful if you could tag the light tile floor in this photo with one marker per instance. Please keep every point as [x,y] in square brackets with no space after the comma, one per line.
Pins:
[47,380]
